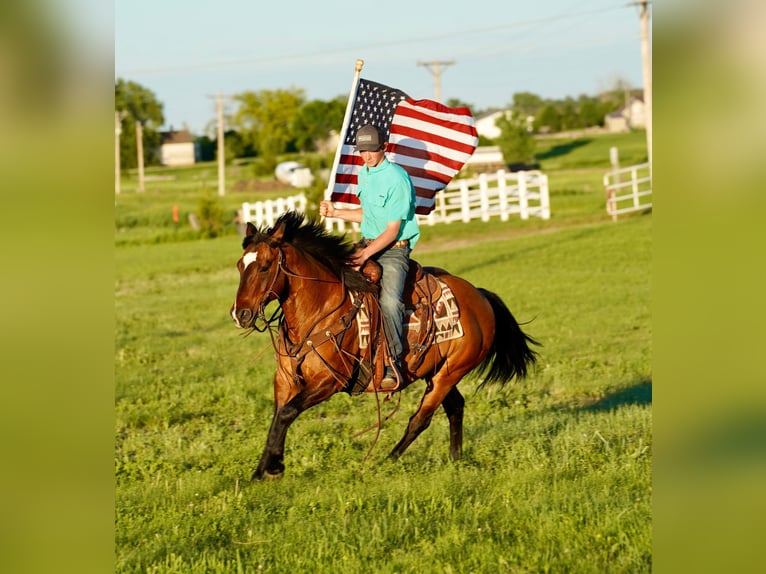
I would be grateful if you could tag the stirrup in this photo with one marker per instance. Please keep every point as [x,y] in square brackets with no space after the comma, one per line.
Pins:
[390,380]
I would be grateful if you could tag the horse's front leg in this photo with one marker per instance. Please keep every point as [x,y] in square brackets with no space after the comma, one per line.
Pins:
[290,399]
[271,464]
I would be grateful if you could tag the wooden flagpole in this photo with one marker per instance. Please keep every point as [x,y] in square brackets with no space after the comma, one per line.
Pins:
[344,128]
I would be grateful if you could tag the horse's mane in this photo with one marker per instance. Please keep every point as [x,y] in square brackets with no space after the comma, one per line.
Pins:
[310,237]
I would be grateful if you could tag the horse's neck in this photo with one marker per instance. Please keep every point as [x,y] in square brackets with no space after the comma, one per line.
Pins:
[314,300]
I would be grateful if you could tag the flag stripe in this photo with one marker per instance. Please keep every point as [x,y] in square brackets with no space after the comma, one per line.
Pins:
[425,157]
[458,124]
[424,133]
[429,140]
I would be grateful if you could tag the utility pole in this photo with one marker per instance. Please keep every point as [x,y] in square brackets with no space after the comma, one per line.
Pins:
[647,74]
[118,117]
[221,158]
[140,152]
[435,68]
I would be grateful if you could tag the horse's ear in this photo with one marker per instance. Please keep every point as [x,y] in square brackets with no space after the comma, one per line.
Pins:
[279,232]
[251,230]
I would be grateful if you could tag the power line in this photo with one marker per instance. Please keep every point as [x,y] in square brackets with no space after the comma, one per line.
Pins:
[303,56]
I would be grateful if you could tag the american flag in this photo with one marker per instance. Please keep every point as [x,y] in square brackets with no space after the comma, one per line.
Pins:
[430,141]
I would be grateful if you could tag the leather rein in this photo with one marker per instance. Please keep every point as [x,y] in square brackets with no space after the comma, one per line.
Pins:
[297,351]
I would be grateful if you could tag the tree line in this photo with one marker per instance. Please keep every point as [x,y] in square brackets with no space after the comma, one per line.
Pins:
[267,124]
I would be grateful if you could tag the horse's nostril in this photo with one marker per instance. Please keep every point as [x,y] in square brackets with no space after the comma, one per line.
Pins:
[244,316]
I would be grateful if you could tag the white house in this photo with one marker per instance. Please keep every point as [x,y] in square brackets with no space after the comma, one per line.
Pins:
[177,148]
[629,116]
[485,123]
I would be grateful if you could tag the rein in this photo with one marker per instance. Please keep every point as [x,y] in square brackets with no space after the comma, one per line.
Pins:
[297,351]
[277,316]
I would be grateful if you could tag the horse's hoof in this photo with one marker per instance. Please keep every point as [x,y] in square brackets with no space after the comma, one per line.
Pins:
[266,475]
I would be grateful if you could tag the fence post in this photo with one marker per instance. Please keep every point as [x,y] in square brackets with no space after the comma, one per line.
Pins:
[502,194]
[465,206]
[438,207]
[545,201]
[259,213]
[484,196]
[268,206]
[523,199]
[634,177]
[246,212]
[610,202]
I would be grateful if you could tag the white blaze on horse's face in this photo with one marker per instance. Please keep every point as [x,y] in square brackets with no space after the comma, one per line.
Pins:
[247,259]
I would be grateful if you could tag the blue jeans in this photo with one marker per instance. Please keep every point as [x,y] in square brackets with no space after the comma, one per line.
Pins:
[395,263]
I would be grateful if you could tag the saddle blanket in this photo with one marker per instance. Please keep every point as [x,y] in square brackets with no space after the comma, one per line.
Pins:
[446,317]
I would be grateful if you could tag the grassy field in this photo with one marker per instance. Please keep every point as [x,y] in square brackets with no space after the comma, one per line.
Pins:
[557,469]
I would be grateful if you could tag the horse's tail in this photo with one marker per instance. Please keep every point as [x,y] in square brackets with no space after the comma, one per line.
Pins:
[511,354]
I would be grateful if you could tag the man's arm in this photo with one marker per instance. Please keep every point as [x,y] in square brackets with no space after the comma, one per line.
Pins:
[327,209]
[379,243]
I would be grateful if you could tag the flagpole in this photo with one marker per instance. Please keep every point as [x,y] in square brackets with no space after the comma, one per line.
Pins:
[344,128]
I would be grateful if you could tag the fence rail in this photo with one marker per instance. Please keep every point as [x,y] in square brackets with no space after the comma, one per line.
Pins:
[627,189]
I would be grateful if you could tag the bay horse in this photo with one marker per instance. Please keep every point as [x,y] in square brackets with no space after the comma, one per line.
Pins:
[309,271]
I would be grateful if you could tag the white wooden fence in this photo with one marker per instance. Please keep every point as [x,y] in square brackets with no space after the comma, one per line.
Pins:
[628,189]
[500,194]
[266,212]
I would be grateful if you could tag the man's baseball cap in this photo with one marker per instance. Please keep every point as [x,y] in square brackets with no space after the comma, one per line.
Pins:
[369,138]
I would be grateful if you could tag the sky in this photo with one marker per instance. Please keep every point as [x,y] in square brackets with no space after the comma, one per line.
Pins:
[187,51]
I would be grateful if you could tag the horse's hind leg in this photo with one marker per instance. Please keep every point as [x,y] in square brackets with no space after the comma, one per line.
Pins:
[453,406]
[434,396]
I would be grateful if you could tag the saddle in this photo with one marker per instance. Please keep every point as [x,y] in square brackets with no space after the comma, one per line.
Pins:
[431,316]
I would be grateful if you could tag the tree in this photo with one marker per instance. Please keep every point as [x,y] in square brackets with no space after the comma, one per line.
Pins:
[235,146]
[515,141]
[315,121]
[548,119]
[263,119]
[591,113]
[569,117]
[206,147]
[139,105]
[526,104]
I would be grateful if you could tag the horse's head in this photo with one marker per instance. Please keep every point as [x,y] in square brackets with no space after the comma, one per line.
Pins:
[260,277]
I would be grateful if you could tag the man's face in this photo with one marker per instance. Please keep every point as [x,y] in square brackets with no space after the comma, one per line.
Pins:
[373,158]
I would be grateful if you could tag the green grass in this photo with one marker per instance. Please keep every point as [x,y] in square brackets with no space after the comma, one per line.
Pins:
[556,474]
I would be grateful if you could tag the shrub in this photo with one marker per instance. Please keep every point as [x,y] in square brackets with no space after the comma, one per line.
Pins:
[211,217]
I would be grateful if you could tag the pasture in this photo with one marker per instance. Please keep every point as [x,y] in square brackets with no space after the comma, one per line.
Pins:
[556,474]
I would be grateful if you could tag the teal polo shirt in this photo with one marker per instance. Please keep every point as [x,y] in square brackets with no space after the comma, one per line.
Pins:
[386,194]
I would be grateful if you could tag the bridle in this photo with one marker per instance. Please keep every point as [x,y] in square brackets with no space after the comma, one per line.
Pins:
[260,321]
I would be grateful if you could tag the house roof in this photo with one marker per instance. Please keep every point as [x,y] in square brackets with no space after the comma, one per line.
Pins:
[175,137]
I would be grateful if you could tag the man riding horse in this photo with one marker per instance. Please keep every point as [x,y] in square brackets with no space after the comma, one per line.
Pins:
[389,234]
